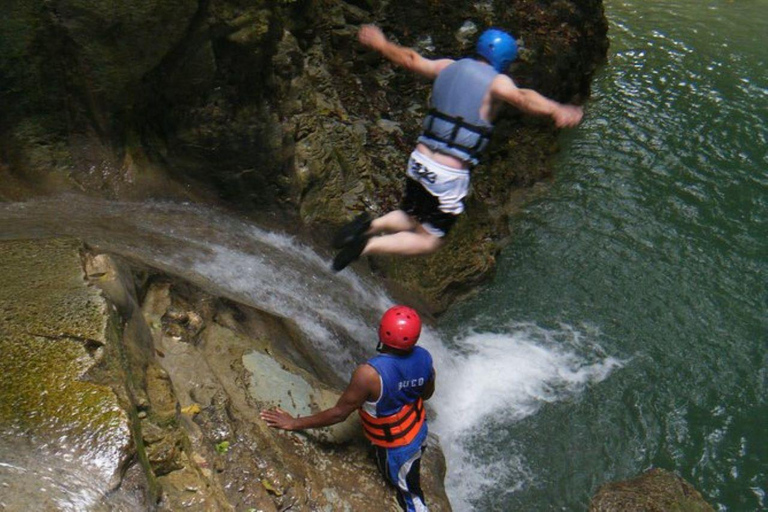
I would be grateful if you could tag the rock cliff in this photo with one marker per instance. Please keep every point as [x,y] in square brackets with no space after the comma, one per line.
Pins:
[273,106]
[142,390]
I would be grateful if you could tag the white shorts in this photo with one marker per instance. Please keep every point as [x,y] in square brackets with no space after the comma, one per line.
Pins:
[450,186]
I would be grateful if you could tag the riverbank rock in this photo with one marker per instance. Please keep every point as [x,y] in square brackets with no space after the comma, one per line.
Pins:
[62,424]
[158,385]
[657,490]
[274,107]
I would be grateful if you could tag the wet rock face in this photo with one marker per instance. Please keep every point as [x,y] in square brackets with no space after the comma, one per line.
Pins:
[656,490]
[274,107]
[57,415]
[221,377]
[125,393]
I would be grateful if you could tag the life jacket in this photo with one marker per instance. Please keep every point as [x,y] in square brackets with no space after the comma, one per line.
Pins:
[397,430]
[453,125]
[397,418]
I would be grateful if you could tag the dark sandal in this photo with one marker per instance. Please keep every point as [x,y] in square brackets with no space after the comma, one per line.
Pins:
[350,231]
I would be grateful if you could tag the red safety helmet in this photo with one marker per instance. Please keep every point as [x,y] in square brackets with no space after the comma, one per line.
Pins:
[400,328]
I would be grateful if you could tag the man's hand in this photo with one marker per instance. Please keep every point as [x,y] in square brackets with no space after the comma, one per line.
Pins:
[278,418]
[372,37]
[567,116]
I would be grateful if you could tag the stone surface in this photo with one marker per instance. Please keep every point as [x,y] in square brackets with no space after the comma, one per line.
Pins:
[55,329]
[657,490]
[223,378]
[152,387]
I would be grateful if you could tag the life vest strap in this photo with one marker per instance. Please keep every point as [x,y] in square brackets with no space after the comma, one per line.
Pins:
[392,431]
[483,132]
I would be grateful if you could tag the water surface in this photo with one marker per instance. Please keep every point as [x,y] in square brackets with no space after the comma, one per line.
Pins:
[650,245]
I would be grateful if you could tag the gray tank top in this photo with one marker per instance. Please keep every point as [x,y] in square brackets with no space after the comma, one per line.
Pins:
[453,125]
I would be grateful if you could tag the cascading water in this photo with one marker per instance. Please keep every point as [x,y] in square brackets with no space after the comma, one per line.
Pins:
[54,480]
[481,375]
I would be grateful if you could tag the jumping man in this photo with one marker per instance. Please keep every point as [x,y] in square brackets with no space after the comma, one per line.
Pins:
[466,97]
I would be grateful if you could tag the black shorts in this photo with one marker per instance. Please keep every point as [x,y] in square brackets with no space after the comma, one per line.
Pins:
[419,203]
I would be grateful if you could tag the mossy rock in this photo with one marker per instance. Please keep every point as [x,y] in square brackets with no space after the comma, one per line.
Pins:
[53,328]
[44,292]
[657,490]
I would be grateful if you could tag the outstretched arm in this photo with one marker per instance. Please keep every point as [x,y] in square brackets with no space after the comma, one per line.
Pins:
[531,102]
[372,37]
[362,387]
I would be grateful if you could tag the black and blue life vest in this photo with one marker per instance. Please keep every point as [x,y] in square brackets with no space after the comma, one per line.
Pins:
[453,125]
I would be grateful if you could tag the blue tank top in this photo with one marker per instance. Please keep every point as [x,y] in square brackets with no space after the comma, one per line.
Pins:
[453,125]
[402,379]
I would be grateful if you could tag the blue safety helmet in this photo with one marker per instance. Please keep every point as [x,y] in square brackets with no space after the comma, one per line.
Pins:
[498,48]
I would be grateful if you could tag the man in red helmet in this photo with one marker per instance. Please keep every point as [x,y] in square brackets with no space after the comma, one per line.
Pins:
[388,391]
[467,94]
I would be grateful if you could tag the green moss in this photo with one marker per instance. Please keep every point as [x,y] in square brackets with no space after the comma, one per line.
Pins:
[41,389]
[44,291]
[50,320]
[222,447]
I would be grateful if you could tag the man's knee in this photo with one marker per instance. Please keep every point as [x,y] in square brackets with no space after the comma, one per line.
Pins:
[432,243]
[393,222]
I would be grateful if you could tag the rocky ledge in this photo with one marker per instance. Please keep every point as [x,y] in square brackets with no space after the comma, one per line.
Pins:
[656,490]
[149,389]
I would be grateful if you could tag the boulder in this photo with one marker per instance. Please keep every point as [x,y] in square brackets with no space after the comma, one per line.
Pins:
[657,490]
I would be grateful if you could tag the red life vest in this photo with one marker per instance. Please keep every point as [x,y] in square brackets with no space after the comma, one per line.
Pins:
[396,430]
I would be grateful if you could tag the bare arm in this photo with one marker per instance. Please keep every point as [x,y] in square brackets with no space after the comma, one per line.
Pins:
[429,388]
[531,102]
[372,37]
[363,386]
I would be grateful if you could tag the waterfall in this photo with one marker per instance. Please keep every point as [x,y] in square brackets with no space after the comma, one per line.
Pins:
[482,378]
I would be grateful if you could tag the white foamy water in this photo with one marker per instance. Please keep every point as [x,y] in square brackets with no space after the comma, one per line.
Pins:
[290,280]
[227,256]
[489,380]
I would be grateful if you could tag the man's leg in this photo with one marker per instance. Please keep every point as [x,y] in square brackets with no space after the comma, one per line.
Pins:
[393,222]
[403,470]
[408,238]
[405,243]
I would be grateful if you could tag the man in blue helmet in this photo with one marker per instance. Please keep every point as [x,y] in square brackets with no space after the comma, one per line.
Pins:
[466,96]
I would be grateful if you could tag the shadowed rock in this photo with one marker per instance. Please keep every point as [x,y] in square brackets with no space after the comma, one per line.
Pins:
[657,490]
